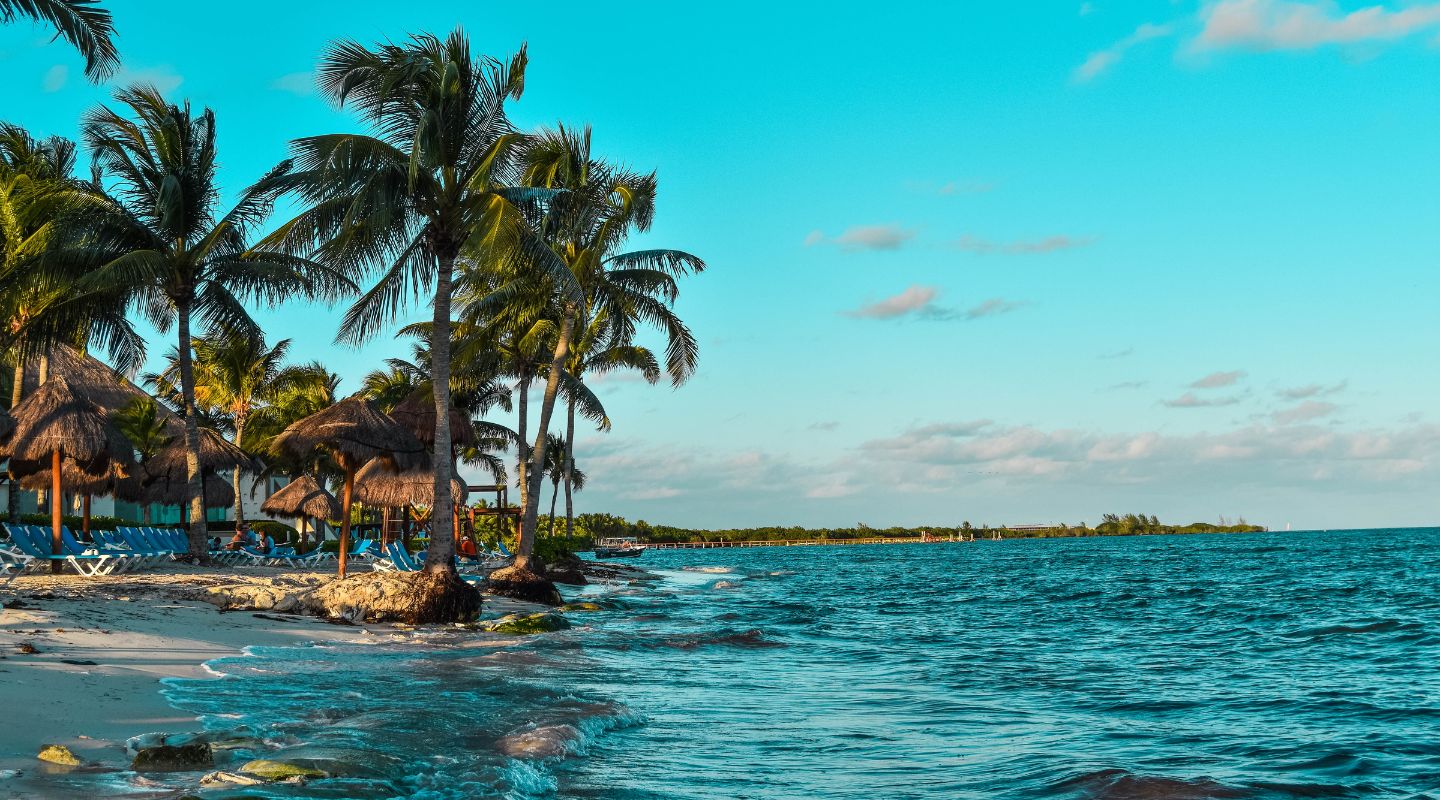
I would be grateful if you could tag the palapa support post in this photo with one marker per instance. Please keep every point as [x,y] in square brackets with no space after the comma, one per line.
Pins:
[345,521]
[384,526]
[85,519]
[56,545]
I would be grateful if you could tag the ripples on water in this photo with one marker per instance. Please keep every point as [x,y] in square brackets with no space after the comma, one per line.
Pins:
[1240,666]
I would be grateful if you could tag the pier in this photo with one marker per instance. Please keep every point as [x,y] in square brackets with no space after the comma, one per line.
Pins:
[786,543]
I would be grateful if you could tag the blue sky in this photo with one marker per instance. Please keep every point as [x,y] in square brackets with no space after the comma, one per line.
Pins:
[1001,262]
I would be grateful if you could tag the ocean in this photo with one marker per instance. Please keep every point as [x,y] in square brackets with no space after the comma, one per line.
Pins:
[1279,665]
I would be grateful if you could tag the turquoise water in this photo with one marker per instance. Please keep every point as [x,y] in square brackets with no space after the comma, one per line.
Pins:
[1235,666]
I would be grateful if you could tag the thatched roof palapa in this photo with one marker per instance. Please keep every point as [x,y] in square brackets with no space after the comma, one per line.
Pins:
[216,453]
[92,379]
[377,486]
[302,497]
[355,432]
[417,414]
[218,492]
[114,479]
[54,418]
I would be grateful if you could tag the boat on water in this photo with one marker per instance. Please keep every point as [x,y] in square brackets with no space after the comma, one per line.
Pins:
[619,547]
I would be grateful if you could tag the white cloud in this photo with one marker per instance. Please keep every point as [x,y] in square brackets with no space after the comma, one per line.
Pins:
[1048,244]
[164,77]
[992,307]
[1218,380]
[301,83]
[911,301]
[55,78]
[1312,390]
[1102,60]
[1192,400]
[1305,412]
[1294,25]
[874,237]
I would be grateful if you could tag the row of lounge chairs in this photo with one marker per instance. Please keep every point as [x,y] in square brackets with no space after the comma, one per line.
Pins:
[130,549]
[398,559]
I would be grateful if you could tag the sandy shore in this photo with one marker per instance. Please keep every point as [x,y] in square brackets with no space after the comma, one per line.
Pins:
[81,660]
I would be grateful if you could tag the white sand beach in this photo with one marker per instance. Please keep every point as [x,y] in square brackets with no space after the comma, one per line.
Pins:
[81,660]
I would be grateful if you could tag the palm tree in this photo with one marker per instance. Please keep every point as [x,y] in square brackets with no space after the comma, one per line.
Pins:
[82,23]
[597,209]
[148,431]
[428,188]
[39,302]
[235,376]
[595,352]
[161,237]
[561,468]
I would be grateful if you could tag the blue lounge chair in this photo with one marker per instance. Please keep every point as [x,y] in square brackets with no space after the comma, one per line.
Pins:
[35,542]
[504,551]
[13,563]
[141,545]
[116,561]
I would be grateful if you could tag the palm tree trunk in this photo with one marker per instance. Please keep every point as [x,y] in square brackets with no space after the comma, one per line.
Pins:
[239,498]
[569,469]
[12,494]
[345,518]
[526,544]
[522,412]
[441,555]
[199,547]
[56,545]
[554,494]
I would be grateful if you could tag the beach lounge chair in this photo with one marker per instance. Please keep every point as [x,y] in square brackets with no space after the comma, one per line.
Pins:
[141,545]
[117,561]
[313,558]
[13,563]
[401,561]
[35,542]
[504,551]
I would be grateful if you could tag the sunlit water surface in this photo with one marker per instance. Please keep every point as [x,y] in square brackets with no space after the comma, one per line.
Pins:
[1233,666]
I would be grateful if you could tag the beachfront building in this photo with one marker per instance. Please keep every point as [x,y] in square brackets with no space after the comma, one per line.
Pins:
[253,492]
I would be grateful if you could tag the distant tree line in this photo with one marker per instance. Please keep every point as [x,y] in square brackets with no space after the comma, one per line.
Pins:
[590,527]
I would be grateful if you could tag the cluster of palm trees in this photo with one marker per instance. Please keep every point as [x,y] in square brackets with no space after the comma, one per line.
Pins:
[516,239]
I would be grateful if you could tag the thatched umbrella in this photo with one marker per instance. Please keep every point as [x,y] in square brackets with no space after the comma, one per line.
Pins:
[377,486]
[303,498]
[54,424]
[417,413]
[115,479]
[217,492]
[355,433]
[216,453]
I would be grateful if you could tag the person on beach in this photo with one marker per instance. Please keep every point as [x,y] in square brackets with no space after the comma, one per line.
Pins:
[239,540]
[467,549]
[265,545]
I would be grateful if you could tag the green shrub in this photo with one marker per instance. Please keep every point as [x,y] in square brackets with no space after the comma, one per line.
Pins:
[75,523]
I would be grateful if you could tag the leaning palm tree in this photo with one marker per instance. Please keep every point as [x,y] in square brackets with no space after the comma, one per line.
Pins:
[597,208]
[235,376]
[429,186]
[82,23]
[162,237]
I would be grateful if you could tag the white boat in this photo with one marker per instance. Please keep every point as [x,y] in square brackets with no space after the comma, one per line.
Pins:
[619,547]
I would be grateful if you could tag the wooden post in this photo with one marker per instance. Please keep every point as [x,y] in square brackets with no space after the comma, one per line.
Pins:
[85,521]
[385,526]
[56,546]
[345,521]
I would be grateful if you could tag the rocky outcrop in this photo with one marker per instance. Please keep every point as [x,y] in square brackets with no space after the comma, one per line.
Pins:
[523,584]
[275,771]
[409,597]
[416,598]
[170,758]
[543,622]
[569,571]
[58,754]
